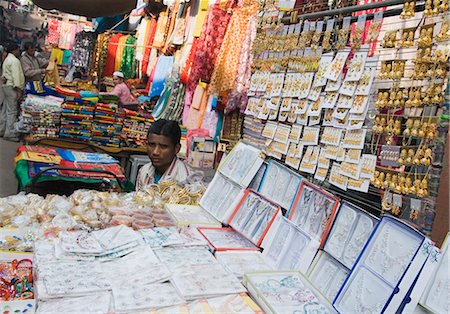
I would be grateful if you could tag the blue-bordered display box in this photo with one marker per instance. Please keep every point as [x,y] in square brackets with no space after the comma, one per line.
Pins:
[385,270]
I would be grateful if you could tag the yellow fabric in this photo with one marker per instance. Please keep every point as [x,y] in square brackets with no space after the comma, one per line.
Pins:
[57,54]
[12,72]
[38,157]
[119,53]
[201,17]
[160,34]
[52,75]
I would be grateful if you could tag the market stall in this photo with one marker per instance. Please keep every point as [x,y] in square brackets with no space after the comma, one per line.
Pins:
[192,248]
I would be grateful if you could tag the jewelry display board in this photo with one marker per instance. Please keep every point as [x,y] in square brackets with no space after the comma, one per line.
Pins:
[240,262]
[191,215]
[385,270]
[221,197]
[349,233]
[285,292]
[226,239]
[241,164]
[313,210]
[435,299]
[253,216]
[409,128]
[327,275]
[287,247]
[280,184]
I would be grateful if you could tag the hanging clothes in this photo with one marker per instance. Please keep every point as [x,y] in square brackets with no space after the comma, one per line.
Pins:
[66,57]
[58,55]
[65,35]
[225,70]
[163,20]
[83,49]
[100,54]
[53,32]
[142,34]
[171,25]
[128,65]
[119,52]
[177,36]
[201,17]
[148,43]
[162,70]
[110,63]
[238,95]
[207,48]
[153,58]
[194,118]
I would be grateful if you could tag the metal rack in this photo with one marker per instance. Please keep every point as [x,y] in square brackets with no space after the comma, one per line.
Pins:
[352,9]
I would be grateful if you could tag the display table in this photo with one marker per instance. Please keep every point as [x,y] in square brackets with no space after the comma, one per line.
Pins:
[121,153]
[60,184]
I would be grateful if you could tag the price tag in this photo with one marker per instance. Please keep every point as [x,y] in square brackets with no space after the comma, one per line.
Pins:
[416,204]
[387,198]
[397,200]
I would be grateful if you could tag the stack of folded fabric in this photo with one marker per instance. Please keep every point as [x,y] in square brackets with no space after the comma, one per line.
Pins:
[76,120]
[108,121]
[67,92]
[135,128]
[41,115]
[109,99]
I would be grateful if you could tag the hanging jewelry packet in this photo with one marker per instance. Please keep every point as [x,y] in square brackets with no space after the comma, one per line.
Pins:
[343,34]
[326,41]
[357,38]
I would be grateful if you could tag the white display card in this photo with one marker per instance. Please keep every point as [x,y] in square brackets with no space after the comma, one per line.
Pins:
[280,184]
[286,247]
[327,275]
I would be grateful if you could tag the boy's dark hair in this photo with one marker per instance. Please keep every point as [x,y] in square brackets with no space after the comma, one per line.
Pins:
[11,46]
[28,45]
[167,128]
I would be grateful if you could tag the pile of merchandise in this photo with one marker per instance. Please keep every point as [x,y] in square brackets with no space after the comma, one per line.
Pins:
[107,125]
[32,160]
[41,116]
[135,128]
[76,120]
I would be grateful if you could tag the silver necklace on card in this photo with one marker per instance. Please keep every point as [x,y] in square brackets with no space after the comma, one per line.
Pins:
[360,306]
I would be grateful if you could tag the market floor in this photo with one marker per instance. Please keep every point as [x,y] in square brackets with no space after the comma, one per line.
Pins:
[8,181]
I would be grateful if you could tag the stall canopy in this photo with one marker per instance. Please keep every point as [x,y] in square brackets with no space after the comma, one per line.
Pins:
[88,8]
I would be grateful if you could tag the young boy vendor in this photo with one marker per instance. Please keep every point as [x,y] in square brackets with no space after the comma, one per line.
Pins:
[163,145]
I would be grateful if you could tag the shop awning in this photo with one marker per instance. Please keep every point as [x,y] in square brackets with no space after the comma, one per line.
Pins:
[88,8]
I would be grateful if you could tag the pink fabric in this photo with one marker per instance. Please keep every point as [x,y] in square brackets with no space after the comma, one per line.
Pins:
[123,92]
[53,32]
[65,35]
[208,47]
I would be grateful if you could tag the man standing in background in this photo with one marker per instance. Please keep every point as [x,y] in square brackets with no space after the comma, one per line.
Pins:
[13,85]
[33,66]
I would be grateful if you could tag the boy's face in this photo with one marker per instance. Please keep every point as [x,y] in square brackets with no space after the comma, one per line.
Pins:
[161,150]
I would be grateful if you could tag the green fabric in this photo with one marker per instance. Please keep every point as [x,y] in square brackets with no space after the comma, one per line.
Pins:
[21,172]
[128,63]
